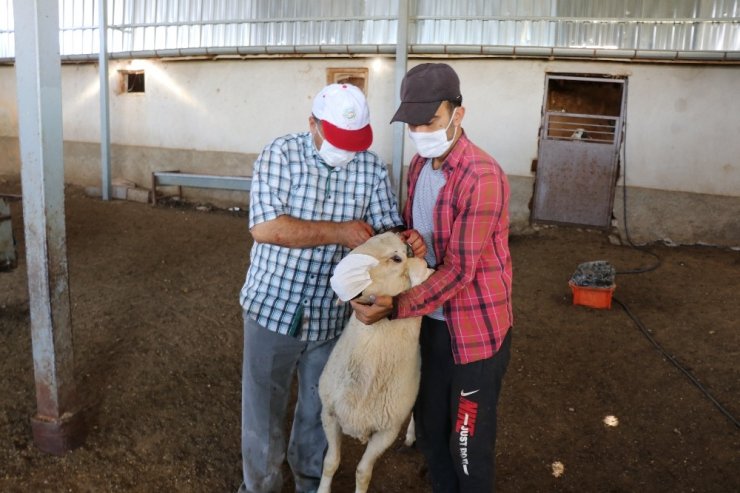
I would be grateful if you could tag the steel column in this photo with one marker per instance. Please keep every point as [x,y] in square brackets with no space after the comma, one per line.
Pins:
[57,425]
[104,100]
[400,70]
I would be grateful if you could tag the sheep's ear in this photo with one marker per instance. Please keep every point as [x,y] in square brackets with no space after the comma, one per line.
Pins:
[418,271]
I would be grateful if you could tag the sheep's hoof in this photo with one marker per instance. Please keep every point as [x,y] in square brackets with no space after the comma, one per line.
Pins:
[404,448]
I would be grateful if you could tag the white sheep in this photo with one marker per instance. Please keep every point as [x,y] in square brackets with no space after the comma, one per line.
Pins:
[371,380]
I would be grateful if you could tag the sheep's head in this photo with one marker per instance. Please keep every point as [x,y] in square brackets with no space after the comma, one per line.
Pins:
[380,266]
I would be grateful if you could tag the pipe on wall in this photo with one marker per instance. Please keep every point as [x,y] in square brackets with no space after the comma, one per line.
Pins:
[595,54]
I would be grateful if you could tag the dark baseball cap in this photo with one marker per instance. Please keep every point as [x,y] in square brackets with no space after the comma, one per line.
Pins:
[423,88]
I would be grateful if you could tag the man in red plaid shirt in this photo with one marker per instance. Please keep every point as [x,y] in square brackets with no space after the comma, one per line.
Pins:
[458,200]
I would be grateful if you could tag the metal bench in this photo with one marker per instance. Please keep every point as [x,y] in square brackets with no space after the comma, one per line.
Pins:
[195,180]
[8,254]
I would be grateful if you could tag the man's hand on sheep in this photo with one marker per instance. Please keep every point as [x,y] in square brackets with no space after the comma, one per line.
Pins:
[379,308]
[413,239]
[354,233]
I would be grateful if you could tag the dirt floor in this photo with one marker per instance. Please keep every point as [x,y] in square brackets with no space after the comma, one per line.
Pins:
[157,348]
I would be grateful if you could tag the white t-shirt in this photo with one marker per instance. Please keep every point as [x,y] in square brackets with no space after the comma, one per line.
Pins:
[427,189]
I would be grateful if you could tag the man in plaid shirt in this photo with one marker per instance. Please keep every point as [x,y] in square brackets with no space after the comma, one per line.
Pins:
[458,202]
[314,196]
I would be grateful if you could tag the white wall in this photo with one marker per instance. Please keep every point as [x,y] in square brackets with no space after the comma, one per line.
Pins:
[682,127]
[8,104]
[683,122]
[231,106]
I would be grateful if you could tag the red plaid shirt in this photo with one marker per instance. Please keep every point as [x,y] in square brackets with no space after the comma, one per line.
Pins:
[471,242]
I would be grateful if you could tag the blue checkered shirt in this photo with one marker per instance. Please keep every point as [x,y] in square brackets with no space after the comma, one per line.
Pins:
[287,289]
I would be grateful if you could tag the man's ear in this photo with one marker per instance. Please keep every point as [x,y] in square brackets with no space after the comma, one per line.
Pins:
[459,115]
[313,127]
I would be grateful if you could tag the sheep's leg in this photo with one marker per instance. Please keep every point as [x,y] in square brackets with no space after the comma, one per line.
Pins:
[410,433]
[331,460]
[377,444]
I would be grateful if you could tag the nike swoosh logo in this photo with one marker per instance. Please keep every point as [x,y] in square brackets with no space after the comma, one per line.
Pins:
[465,394]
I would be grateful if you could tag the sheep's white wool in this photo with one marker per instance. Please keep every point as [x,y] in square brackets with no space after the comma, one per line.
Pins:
[370,382]
[558,469]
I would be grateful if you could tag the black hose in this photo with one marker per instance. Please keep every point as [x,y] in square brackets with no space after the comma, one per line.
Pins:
[675,363]
[637,321]
[624,219]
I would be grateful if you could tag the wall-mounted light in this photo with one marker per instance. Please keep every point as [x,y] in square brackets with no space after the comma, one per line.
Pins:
[377,65]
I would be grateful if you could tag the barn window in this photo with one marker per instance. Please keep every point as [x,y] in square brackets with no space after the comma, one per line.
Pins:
[132,81]
[354,76]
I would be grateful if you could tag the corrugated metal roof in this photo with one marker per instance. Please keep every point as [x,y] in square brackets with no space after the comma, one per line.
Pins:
[268,26]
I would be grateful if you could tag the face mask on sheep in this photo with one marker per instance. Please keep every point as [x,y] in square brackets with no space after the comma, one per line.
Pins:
[380,266]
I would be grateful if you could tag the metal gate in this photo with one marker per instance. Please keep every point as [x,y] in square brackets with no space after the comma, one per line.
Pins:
[577,161]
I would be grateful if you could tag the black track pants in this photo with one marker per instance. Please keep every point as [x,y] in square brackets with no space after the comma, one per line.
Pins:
[455,413]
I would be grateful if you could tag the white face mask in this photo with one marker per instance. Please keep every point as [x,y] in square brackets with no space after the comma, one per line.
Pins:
[334,156]
[352,275]
[433,144]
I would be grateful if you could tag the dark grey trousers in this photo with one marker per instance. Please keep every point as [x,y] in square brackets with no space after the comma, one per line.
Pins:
[270,363]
